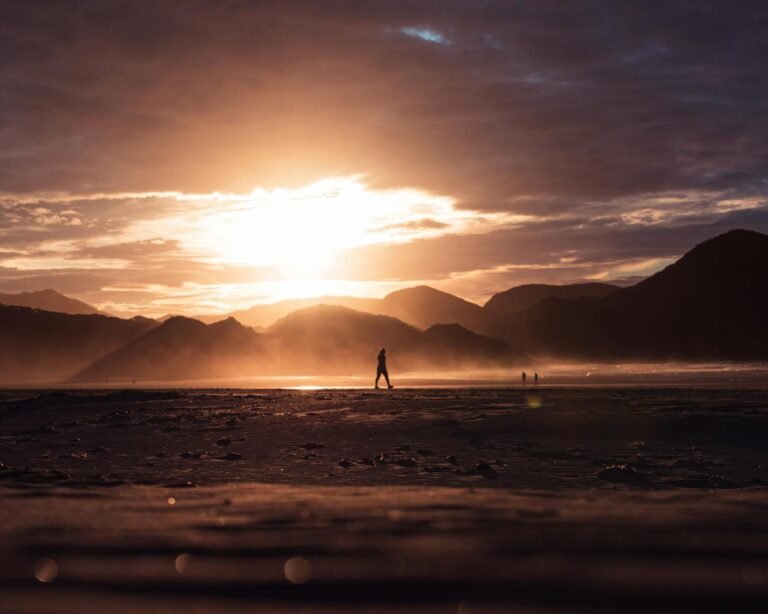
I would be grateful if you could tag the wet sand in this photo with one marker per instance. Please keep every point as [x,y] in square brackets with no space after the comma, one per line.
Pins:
[450,500]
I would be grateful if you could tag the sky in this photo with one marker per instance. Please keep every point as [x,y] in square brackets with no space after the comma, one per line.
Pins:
[199,157]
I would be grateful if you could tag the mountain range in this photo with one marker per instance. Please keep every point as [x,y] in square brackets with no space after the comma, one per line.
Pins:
[49,300]
[709,305]
[524,297]
[422,306]
[712,304]
[320,340]
[45,346]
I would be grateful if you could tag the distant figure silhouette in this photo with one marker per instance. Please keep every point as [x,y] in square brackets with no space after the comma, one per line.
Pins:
[382,369]
[535,379]
[523,377]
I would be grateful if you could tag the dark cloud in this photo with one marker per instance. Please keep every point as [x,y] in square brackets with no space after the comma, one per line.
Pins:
[586,98]
[578,113]
[560,251]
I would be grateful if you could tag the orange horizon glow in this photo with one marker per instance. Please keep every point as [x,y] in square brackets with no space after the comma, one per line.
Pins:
[337,236]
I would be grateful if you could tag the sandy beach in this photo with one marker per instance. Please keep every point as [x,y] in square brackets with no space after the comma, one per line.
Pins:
[444,500]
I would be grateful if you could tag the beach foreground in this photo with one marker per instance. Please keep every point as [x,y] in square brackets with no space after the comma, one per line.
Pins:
[456,500]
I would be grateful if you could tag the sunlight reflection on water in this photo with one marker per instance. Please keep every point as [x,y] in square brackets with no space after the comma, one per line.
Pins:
[551,375]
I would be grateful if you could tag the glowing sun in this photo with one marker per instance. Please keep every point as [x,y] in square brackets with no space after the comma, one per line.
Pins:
[302,230]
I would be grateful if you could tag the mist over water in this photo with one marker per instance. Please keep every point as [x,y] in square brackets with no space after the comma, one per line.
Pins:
[585,374]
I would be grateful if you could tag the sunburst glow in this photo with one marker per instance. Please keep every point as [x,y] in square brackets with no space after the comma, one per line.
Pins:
[301,230]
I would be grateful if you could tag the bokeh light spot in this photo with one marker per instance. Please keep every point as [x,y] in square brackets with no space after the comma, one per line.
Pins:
[534,402]
[46,570]
[182,563]
[297,570]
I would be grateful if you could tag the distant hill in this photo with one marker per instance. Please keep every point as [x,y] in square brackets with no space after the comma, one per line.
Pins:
[46,346]
[423,306]
[709,305]
[420,306]
[264,315]
[458,347]
[49,300]
[182,348]
[338,339]
[317,340]
[526,296]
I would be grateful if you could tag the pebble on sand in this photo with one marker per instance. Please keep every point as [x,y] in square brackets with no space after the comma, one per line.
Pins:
[406,462]
[623,474]
[74,456]
[190,454]
[486,470]
[312,446]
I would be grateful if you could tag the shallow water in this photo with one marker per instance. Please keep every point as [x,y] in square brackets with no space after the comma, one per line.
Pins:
[551,374]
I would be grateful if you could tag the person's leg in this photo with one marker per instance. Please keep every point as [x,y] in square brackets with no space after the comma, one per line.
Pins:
[386,377]
[378,376]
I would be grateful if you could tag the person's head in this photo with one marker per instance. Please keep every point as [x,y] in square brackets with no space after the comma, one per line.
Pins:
[383,351]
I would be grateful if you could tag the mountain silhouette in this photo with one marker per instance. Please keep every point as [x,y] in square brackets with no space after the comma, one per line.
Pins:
[45,346]
[318,340]
[424,306]
[262,316]
[420,306]
[182,348]
[338,339]
[49,300]
[524,297]
[709,305]
[455,346]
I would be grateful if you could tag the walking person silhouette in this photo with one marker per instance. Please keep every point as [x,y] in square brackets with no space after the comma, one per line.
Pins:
[523,377]
[382,369]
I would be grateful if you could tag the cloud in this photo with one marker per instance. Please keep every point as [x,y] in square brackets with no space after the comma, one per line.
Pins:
[235,244]
[580,100]
[425,34]
[599,132]
[149,253]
